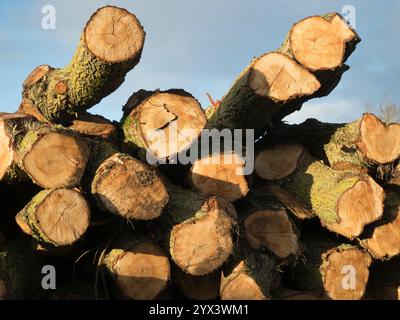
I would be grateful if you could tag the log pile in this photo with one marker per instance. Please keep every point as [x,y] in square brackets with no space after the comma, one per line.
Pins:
[317,219]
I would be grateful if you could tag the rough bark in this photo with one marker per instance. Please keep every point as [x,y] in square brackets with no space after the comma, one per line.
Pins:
[271,87]
[111,45]
[197,230]
[161,123]
[322,44]
[249,275]
[139,267]
[12,129]
[356,146]
[93,126]
[56,217]
[51,156]
[344,201]
[124,185]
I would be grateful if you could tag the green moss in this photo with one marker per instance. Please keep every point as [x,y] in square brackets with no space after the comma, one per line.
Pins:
[320,187]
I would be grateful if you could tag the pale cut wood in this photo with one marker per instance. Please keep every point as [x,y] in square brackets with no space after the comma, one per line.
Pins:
[220,174]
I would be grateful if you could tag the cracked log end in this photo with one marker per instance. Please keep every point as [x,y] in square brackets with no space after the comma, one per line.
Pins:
[58,217]
[129,188]
[321,43]
[280,78]
[54,159]
[201,245]
[164,123]
[221,175]
[114,35]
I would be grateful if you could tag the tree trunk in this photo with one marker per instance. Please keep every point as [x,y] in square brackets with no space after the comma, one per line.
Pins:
[52,157]
[123,185]
[385,240]
[271,87]
[220,174]
[161,123]
[266,225]
[344,201]
[197,287]
[56,217]
[322,44]
[93,126]
[12,128]
[111,45]
[197,230]
[338,271]
[249,275]
[139,267]
[355,146]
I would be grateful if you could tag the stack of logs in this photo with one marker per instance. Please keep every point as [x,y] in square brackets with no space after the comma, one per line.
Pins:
[318,218]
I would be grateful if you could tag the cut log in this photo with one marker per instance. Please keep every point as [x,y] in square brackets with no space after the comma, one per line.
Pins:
[338,271]
[93,126]
[344,201]
[56,217]
[270,88]
[385,240]
[197,230]
[249,275]
[124,185]
[266,225]
[220,174]
[197,287]
[19,272]
[162,123]
[355,146]
[322,44]
[139,267]
[110,46]
[52,157]
[12,128]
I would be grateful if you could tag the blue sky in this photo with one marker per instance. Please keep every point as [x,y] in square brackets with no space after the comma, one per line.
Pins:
[202,45]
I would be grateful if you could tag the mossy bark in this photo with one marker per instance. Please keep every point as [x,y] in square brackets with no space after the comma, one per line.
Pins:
[242,108]
[249,274]
[334,143]
[60,94]
[15,127]
[320,188]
